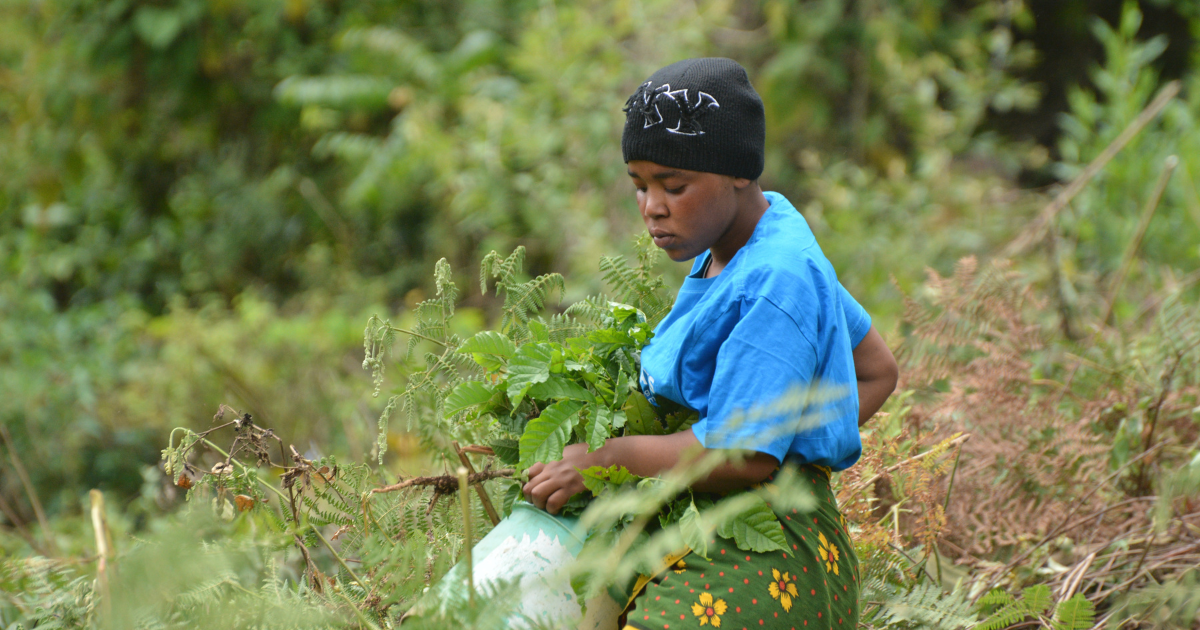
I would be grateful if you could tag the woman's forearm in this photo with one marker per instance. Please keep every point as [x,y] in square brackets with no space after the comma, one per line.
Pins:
[550,485]
[654,455]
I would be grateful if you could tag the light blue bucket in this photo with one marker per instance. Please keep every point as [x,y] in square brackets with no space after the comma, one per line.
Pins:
[536,548]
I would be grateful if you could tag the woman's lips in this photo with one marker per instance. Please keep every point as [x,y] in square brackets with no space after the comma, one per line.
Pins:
[662,238]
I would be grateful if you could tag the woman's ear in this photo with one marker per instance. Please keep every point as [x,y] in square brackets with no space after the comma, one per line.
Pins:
[741,182]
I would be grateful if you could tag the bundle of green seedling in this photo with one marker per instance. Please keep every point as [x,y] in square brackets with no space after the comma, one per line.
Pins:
[542,381]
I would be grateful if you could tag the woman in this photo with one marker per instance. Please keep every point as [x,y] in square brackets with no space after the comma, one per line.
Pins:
[761,313]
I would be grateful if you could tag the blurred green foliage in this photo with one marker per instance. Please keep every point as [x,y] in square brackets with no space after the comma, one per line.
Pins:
[202,201]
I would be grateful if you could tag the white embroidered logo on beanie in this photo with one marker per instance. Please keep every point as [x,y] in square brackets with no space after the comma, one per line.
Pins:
[645,101]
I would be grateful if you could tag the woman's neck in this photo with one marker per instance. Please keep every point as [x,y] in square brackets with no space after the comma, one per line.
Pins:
[752,205]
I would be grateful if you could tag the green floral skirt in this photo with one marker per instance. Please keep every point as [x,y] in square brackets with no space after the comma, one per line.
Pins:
[813,586]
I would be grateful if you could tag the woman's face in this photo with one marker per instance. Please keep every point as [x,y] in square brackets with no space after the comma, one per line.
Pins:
[686,212]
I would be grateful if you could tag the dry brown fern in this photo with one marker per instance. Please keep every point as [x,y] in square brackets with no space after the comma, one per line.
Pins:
[973,341]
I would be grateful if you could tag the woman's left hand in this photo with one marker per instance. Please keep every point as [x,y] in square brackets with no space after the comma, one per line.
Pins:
[552,485]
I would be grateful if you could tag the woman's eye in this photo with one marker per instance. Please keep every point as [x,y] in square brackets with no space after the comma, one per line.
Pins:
[674,191]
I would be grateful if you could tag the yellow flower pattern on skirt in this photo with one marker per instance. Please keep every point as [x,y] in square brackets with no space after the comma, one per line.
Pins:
[828,553]
[783,588]
[709,610]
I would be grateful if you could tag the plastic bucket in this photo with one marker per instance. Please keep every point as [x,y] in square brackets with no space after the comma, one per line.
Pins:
[536,548]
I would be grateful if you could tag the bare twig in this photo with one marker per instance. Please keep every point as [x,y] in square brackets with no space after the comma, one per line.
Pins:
[465,498]
[103,550]
[419,336]
[43,522]
[1135,243]
[1075,576]
[483,496]
[1036,230]
[358,612]
[919,566]
[339,559]
[444,481]
[314,579]
[23,531]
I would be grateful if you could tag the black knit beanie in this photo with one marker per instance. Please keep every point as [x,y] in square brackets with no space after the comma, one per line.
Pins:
[699,115]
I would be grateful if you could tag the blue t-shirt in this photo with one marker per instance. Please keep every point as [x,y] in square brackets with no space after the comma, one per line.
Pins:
[772,334]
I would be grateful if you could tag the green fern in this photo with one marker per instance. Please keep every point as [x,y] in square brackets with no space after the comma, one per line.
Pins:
[42,593]
[522,299]
[1077,613]
[642,286]
[207,591]
[1034,602]
[923,606]
[428,387]
[638,286]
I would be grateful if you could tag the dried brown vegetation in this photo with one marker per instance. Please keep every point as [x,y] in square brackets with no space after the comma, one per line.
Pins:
[1054,483]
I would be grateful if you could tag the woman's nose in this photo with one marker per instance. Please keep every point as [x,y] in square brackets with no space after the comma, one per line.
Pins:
[655,204]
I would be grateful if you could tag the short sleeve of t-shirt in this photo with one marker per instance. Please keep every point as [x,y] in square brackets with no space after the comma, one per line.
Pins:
[858,322]
[763,369]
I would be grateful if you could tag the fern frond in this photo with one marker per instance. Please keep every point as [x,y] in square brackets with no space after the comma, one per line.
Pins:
[1037,598]
[523,300]
[1034,601]
[209,592]
[563,326]
[592,309]
[638,286]
[926,606]
[996,597]
[1077,613]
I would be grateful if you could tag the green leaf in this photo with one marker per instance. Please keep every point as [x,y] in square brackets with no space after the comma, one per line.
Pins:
[530,366]
[755,529]
[510,496]
[640,416]
[490,349]
[512,422]
[618,421]
[1076,613]
[606,340]
[467,394]
[575,505]
[692,530]
[621,390]
[560,388]
[338,91]
[507,450]
[546,435]
[157,26]
[538,330]
[598,427]
[681,420]
[600,480]
[609,336]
